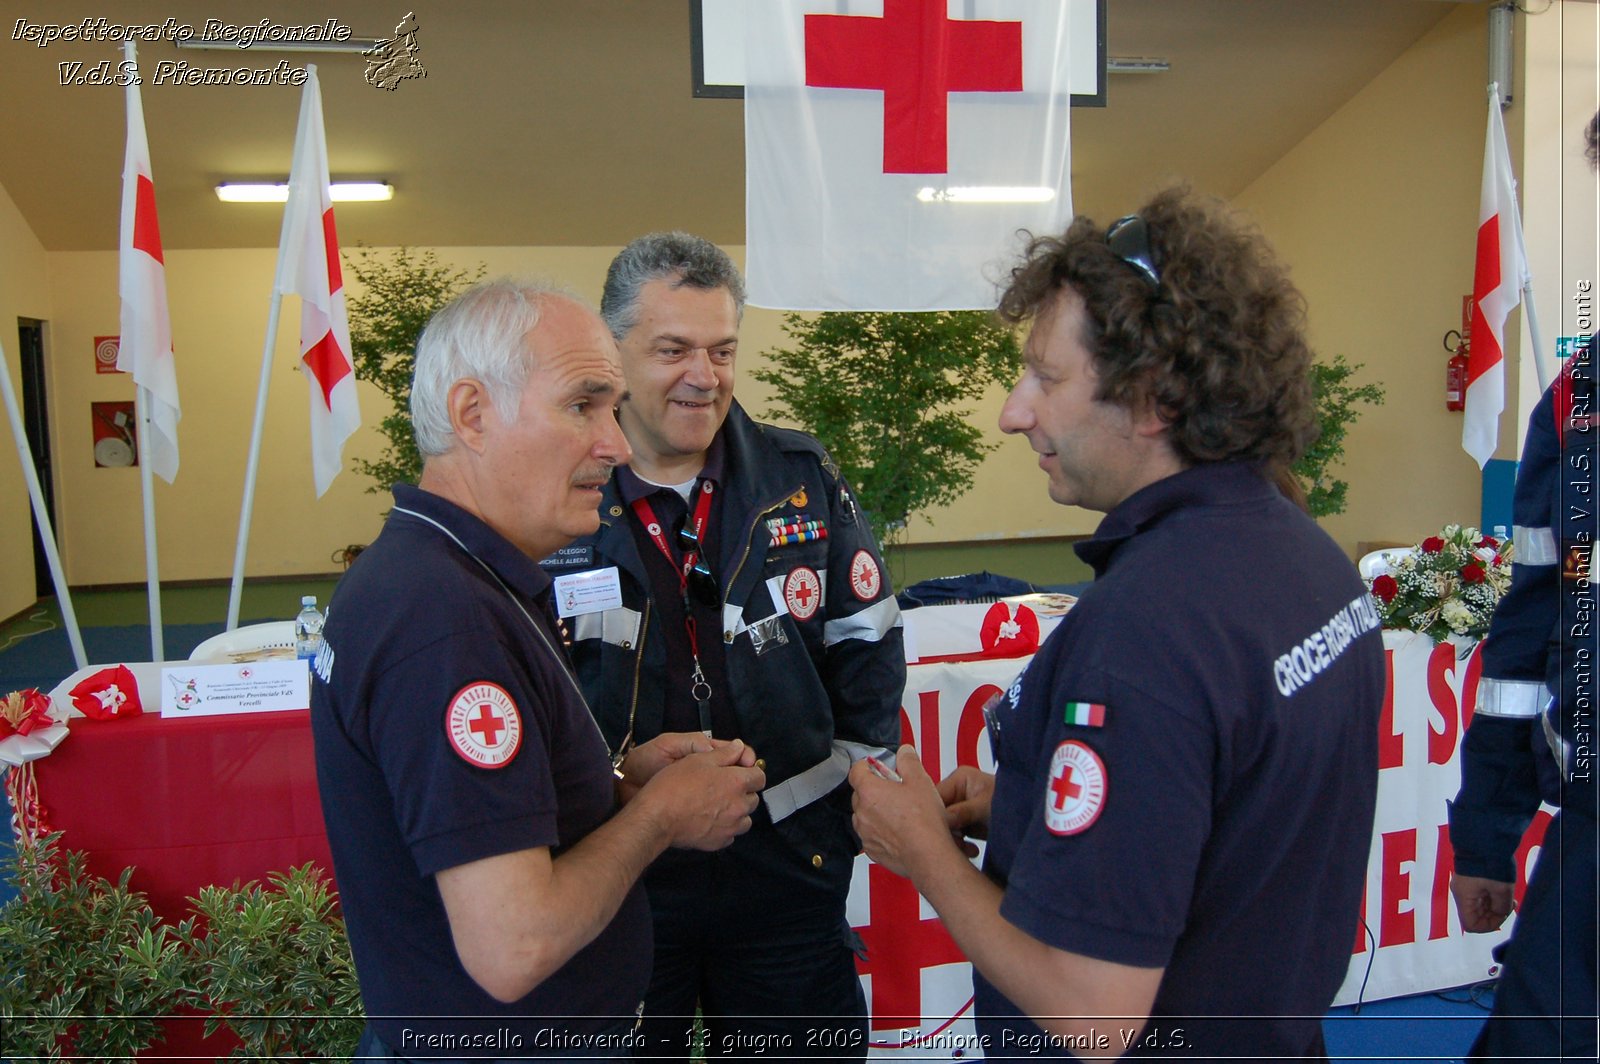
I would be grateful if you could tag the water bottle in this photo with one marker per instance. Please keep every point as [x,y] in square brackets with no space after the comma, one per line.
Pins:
[307,629]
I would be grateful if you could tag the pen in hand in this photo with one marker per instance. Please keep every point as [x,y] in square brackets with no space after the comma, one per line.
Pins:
[883,770]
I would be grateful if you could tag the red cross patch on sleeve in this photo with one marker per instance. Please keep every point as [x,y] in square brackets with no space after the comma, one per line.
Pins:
[1076,789]
[483,725]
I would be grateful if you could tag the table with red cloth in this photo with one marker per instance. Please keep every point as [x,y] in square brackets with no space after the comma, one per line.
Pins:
[188,802]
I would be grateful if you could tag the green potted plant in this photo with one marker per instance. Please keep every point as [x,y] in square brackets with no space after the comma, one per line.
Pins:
[86,968]
[889,395]
[272,964]
[399,291]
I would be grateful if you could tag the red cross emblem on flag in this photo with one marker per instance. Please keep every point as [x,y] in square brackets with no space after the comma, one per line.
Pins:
[916,56]
[483,725]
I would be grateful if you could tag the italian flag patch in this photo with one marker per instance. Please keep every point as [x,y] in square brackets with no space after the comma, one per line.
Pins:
[1087,714]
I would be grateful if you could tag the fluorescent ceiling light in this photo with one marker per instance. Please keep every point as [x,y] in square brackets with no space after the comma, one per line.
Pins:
[987,194]
[278,192]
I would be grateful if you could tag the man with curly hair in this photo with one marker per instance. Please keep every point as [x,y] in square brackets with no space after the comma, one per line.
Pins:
[1182,804]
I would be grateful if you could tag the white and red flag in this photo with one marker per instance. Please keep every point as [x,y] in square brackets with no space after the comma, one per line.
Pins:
[894,148]
[145,349]
[308,266]
[1497,282]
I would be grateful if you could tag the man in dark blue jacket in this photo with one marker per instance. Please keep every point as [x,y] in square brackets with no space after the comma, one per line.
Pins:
[1532,736]
[737,591]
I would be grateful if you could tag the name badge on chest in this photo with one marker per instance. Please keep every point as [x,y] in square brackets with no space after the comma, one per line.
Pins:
[591,592]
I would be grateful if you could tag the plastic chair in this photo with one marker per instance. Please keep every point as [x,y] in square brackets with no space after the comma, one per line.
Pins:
[1378,562]
[252,638]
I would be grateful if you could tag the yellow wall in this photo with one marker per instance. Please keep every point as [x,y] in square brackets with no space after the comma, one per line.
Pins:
[23,293]
[1377,211]
[1561,195]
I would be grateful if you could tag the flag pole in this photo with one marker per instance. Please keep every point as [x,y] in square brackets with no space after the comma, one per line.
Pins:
[253,462]
[152,577]
[47,534]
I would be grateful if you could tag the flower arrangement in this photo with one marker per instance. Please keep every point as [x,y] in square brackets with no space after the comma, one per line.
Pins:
[1448,585]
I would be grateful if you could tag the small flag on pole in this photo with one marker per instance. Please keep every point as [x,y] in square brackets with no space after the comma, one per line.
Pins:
[308,266]
[146,346]
[1499,275]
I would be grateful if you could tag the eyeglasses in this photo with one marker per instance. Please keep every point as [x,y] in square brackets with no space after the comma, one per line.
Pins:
[1129,240]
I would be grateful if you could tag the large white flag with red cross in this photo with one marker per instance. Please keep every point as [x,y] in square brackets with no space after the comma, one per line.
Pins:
[894,148]
[145,348]
[308,266]
[1498,277]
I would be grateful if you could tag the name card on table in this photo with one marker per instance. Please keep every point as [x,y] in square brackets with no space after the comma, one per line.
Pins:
[193,690]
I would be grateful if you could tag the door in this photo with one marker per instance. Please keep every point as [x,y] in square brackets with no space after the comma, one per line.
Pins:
[36,425]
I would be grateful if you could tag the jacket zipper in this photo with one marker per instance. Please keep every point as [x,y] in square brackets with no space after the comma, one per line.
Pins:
[742,558]
[626,745]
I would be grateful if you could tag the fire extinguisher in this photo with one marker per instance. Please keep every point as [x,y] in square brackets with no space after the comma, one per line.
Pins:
[1455,372]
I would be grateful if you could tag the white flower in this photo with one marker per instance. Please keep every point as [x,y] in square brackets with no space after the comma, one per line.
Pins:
[1457,615]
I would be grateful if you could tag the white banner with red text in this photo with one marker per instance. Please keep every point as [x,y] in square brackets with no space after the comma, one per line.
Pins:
[920,986]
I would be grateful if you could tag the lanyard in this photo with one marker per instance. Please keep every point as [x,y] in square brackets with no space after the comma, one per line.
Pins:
[699,689]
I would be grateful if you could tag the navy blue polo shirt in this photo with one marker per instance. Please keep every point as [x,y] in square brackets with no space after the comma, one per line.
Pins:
[1187,769]
[448,729]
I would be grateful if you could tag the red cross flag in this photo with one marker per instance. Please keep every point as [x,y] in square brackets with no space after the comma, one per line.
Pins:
[146,345]
[1498,277]
[894,148]
[308,266]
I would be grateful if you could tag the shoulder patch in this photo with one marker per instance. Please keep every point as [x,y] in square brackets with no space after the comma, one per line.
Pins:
[1076,790]
[865,578]
[483,725]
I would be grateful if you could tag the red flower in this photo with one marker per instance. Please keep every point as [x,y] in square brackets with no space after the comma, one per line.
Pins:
[1385,588]
[1473,573]
[1432,545]
[1489,541]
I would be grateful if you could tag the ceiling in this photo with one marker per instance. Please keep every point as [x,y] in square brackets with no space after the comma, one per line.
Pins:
[571,122]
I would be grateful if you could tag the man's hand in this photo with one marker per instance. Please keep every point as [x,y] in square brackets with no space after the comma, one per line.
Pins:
[898,822]
[966,794]
[645,760]
[1482,904]
[703,800]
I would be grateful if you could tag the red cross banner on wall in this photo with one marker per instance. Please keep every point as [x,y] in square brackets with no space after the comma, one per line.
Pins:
[895,147]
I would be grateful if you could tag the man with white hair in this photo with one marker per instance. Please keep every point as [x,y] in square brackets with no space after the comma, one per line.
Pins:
[487,875]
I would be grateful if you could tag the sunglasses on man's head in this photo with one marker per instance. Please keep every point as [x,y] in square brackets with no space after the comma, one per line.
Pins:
[1129,240]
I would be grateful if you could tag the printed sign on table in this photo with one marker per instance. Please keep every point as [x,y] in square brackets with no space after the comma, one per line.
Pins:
[191,690]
